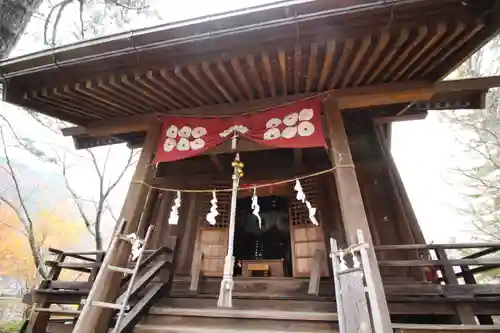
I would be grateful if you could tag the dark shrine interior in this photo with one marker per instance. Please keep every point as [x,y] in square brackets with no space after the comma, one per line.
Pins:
[271,241]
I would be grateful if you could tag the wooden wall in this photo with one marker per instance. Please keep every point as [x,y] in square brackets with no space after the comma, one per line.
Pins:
[389,213]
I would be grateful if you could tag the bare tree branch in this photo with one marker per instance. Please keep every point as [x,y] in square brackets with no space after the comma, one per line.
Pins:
[23,213]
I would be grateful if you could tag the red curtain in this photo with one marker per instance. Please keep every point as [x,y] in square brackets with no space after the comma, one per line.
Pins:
[296,125]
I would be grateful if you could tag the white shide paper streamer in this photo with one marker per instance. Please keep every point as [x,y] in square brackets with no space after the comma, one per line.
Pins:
[256,207]
[137,244]
[301,196]
[174,214]
[213,210]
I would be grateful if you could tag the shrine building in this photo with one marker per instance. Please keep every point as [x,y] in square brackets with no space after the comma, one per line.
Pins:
[265,197]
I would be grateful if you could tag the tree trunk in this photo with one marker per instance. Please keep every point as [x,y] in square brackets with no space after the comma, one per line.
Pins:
[14,16]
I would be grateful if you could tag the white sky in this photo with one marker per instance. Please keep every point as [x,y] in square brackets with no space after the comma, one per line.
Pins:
[422,149]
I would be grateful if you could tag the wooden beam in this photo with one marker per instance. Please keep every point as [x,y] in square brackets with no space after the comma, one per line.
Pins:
[120,125]
[351,205]
[349,98]
[107,284]
[394,93]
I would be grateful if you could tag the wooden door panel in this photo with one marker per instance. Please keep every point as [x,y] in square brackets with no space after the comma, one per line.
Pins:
[213,245]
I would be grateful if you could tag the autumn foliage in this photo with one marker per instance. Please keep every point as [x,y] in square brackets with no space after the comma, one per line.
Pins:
[50,230]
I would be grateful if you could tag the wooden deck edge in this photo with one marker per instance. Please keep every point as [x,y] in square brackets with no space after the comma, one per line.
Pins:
[407,328]
[144,328]
[246,314]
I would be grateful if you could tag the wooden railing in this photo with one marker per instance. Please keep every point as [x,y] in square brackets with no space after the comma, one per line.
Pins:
[155,276]
[456,278]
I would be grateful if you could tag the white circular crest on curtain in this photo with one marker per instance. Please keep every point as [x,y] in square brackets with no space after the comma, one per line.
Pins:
[183,144]
[306,128]
[197,144]
[172,132]
[291,119]
[198,132]
[289,132]
[273,122]
[306,114]
[169,145]
[272,134]
[185,132]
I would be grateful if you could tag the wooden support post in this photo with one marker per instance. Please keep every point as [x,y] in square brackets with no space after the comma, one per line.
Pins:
[464,311]
[148,212]
[107,285]
[38,321]
[469,278]
[315,277]
[351,205]
[196,267]
[189,233]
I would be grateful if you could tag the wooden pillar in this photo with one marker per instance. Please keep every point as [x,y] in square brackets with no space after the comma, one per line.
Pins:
[107,285]
[352,209]
[189,233]
[162,228]
[149,212]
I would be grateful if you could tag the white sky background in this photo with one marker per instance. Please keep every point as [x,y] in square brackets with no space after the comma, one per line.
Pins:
[422,149]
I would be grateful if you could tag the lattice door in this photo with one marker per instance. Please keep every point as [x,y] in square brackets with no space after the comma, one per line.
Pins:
[213,238]
[306,237]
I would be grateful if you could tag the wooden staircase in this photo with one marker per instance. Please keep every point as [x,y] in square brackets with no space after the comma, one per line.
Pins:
[250,313]
[57,304]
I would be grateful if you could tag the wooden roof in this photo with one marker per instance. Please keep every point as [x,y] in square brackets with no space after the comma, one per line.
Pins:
[278,54]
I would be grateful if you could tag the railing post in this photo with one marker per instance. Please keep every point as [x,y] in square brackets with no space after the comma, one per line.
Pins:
[465,314]
[336,280]
[377,313]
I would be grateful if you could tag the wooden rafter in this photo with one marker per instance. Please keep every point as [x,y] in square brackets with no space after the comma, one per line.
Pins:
[331,53]
[350,98]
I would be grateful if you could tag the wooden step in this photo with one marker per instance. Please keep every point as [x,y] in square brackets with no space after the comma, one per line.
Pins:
[218,329]
[245,314]
[270,285]
[411,328]
[58,312]
[179,324]
[250,303]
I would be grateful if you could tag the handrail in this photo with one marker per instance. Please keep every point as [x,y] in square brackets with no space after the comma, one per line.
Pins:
[437,262]
[454,246]
[75,255]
